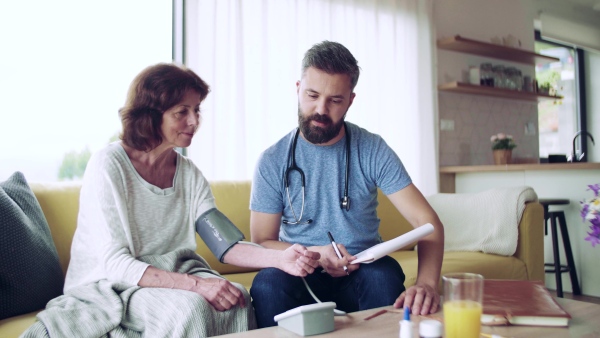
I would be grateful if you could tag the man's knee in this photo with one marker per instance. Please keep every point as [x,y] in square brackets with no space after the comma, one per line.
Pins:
[387,275]
[273,291]
[386,267]
[274,283]
[266,281]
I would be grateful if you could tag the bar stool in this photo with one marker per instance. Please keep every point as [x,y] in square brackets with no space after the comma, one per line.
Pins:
[555,267]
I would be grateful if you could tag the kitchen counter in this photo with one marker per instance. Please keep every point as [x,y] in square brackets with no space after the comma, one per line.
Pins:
[448,174]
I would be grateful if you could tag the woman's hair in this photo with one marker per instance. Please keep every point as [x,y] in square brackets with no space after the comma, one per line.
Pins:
[152,92]
[332,58]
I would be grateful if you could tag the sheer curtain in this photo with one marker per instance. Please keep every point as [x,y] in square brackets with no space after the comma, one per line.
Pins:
[250,53]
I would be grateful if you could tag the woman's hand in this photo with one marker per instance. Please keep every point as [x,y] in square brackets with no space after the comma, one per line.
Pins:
[299,261]
[220,293]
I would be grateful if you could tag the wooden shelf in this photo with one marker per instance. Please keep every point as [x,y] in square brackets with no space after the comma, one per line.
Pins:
[466,88]
[520,167]
[459,44]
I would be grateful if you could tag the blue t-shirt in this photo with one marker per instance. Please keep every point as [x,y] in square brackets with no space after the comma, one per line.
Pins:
[372,164]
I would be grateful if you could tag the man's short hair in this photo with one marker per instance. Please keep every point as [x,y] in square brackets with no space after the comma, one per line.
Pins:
[332,58]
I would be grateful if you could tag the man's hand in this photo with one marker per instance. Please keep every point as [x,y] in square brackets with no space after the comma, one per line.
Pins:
[422,299]
[332,264]
[299,261]
[220,293]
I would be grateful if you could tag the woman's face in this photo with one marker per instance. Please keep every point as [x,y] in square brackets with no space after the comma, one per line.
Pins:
[180,122]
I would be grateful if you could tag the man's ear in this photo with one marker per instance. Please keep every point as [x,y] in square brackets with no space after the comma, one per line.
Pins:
[351,98]
[298,87]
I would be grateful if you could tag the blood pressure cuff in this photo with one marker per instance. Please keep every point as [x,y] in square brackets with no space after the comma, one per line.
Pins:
[218,232]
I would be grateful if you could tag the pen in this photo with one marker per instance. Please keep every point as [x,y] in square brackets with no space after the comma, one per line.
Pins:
[337,251]
[491,335]
[380,312]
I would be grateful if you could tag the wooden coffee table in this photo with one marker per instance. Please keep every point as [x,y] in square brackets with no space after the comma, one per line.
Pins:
[585,323]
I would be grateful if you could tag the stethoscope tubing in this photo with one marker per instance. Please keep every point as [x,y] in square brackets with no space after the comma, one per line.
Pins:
[293,167]
[345,201]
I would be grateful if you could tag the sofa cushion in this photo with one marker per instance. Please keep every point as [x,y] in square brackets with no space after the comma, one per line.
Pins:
[60,204]
[30,274]
[392,223]
[13,327]
[244,278]
[233,200]
[489,265]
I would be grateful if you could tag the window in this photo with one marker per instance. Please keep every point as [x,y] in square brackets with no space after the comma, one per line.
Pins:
[559,120]
[66,66]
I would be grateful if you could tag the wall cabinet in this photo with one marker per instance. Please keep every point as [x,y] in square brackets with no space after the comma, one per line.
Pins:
[463,45]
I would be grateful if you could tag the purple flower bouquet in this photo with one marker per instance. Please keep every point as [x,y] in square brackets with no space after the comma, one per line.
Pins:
[590,211]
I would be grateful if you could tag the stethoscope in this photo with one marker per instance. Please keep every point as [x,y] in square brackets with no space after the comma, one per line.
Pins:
[344,202]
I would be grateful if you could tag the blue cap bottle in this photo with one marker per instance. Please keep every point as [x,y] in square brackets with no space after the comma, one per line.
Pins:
[406,325]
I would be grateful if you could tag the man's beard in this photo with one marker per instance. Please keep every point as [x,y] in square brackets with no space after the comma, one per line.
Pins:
[318,135]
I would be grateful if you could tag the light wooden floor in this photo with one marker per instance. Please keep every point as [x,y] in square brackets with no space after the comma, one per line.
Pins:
[583,298]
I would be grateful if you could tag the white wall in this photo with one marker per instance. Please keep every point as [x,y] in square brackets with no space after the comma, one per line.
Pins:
[479,20]
[567,10]
[483,19]
[477,118]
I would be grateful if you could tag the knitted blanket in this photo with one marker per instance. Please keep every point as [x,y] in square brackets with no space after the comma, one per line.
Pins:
[486,221]
[110,309]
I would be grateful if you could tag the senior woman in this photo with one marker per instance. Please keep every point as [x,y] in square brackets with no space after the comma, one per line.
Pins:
[133,269]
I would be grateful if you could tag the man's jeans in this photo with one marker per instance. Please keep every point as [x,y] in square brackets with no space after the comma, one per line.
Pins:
[372,285]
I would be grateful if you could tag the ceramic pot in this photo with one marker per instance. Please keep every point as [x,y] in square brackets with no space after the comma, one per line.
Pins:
[502,156]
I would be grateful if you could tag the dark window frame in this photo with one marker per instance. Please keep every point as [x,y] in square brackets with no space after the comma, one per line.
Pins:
[580,91]
[178,48]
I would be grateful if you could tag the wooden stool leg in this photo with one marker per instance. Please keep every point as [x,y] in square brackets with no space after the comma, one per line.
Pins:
[545,220]
[569,254]
[555,248]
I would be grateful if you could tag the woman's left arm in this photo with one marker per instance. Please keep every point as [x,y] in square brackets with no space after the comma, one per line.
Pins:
[295,260]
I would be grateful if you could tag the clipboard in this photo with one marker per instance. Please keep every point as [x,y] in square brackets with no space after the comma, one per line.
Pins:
[375,252]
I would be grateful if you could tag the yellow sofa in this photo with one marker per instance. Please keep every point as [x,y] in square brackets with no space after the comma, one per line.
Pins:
[60,203]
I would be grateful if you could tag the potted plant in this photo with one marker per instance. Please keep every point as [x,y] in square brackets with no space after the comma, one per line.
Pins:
[502,146]
[548,82]
[544,88]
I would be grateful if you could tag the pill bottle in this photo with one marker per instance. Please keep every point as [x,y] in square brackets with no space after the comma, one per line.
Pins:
[430,329]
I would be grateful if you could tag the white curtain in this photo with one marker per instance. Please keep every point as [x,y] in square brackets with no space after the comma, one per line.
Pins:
[250,52]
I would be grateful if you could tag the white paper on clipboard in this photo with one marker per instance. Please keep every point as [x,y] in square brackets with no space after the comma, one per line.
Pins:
[377,251]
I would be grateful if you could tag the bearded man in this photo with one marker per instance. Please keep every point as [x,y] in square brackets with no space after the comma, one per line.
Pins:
[322,178]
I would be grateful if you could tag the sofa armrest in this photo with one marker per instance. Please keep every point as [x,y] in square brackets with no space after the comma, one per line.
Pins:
[530,246]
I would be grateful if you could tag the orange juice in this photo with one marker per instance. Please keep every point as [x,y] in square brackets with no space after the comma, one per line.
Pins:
[462,319]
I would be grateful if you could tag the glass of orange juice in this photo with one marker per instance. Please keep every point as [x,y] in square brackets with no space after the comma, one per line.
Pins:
[463,295]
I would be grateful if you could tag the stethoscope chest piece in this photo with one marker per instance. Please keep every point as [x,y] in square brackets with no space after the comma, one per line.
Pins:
[345,203]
